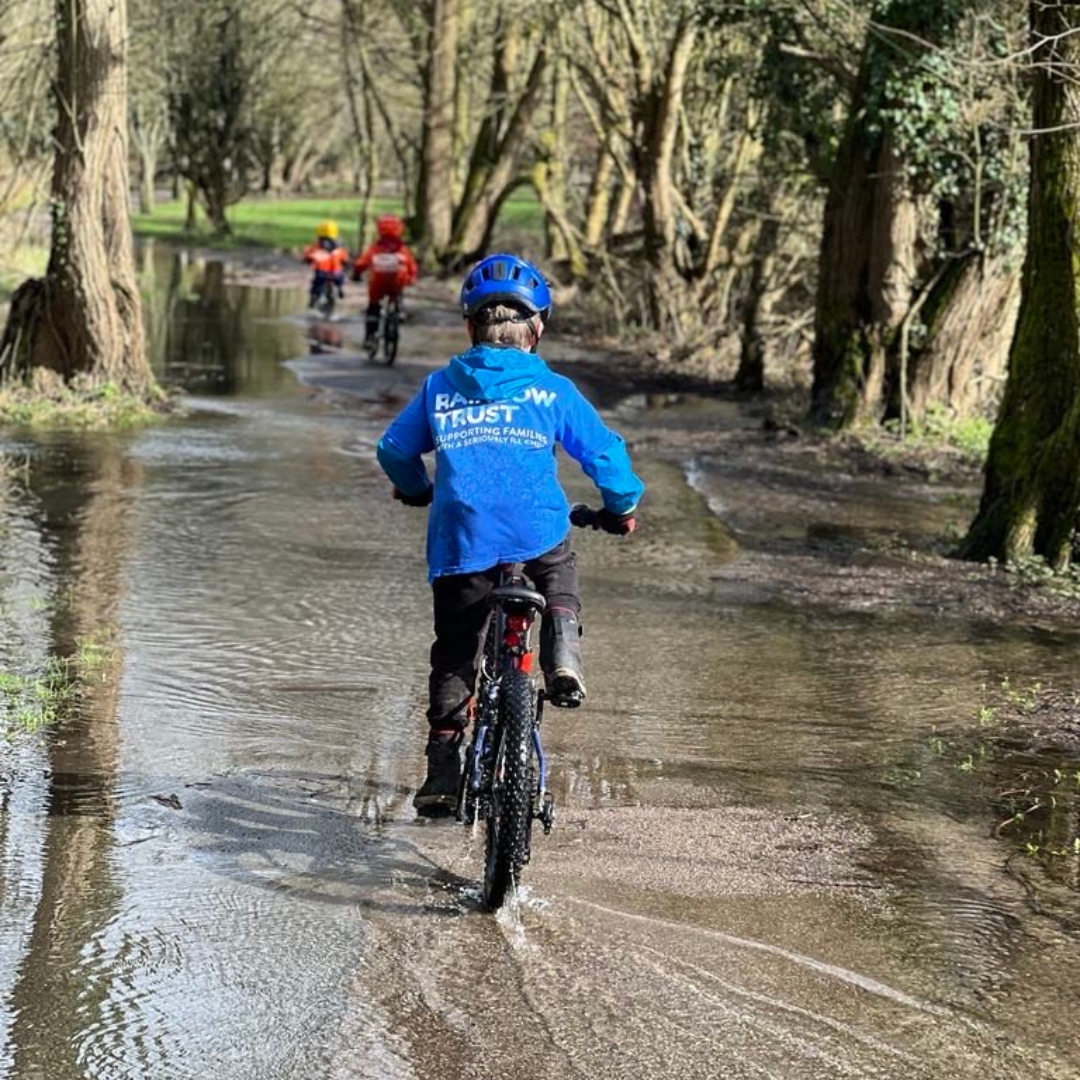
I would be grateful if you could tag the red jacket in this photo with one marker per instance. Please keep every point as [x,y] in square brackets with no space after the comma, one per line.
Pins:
[390,262]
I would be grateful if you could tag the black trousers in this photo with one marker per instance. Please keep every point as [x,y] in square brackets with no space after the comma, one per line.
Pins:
[461,616]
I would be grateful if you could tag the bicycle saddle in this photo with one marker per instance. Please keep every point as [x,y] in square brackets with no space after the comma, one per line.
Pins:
[519,594]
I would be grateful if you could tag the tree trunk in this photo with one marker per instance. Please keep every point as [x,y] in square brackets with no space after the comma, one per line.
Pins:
[435,188]
[215,203]
[1031,495]
[868,266]
[148,135]
[970,320]
[495,173]
[147,170]
[557,242]
[87,318]
[598,199]
[866,273]
[191,211]
[657,110]
[750,376]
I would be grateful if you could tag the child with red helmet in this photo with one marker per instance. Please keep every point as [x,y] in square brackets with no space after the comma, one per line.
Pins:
[390,267]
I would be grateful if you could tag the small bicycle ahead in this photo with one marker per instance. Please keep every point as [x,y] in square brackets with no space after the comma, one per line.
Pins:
[504,781]
[387,331]
[326,298]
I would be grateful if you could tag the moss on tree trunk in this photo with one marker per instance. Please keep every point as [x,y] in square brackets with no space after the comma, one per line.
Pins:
[1031,495]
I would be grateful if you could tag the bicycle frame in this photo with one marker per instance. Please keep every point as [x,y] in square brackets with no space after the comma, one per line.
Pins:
[508,647]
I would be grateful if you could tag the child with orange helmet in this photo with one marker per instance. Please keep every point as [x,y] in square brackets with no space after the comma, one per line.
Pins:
[390,267]
[328,259]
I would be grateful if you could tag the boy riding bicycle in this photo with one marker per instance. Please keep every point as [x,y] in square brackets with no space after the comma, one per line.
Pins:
[328,259]
[390,267]
[493,418]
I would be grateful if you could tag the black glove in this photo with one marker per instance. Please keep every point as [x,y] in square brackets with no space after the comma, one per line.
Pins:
[618,524]
[423,499]
[587,518]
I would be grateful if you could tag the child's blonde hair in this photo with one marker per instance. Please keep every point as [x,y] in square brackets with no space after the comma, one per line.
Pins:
[500,324]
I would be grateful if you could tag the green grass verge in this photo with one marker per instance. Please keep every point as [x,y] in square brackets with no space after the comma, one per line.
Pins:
[80,406]
[284,224]
[287,224]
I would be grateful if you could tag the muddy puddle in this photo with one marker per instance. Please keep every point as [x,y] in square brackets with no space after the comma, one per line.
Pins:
[767,862]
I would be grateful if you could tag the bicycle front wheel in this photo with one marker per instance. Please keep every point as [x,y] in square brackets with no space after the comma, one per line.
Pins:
[327,300]
[390,334]
[509,825]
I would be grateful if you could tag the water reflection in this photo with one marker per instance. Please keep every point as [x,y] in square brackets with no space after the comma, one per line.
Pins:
[60,990]
[211,337]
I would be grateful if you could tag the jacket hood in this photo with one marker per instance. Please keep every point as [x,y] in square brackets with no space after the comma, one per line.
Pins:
[494,372]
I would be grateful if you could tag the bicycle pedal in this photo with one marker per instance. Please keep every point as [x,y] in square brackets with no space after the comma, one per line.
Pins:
[568,700]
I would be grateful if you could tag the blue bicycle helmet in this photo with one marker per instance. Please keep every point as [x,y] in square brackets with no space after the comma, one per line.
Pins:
[505,279]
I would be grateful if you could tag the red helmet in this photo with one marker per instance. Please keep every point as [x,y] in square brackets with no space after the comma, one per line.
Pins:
[390,225]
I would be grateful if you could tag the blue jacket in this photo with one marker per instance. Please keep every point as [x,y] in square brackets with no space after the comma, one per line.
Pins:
[492,418]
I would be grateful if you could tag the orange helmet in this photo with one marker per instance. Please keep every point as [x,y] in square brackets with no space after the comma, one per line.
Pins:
[390,225]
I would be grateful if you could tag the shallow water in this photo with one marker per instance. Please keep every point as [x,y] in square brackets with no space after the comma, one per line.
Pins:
[764,865]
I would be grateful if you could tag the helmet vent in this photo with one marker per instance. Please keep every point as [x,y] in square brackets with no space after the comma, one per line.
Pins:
[505,279]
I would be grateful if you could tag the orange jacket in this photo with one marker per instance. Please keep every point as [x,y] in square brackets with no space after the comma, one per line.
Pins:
[390,263]
[333,261]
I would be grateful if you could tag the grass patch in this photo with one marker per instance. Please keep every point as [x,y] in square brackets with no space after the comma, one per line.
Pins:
[935,447]
[1035,571]
[30,702]
[49,403]
[20,261]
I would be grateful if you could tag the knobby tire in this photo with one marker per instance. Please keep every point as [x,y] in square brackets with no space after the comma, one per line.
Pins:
[510,824]
[390,335]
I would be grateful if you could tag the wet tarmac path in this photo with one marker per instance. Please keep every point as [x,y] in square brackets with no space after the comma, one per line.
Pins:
[760,868]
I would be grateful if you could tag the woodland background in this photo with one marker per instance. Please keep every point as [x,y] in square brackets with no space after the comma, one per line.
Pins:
[839,194]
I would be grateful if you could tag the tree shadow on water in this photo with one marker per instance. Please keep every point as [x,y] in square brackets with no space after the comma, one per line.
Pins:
[321,838]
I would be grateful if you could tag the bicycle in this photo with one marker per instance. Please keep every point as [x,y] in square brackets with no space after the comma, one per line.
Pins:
[387,330]
[504,780]
[326,298]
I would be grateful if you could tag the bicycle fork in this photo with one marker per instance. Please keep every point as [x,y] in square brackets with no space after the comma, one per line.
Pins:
[475,803]
[544,808]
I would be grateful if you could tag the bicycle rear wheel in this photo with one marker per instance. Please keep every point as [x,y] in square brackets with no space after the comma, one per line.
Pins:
[509,825]
[390,333]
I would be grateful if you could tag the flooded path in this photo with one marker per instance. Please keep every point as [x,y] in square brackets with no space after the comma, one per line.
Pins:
[763,866]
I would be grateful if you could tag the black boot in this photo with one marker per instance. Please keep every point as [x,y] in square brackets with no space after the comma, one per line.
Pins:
[438,795]
[560,658]
[371,327]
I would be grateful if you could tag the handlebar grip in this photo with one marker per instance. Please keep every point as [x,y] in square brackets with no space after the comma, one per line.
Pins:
[585,517]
